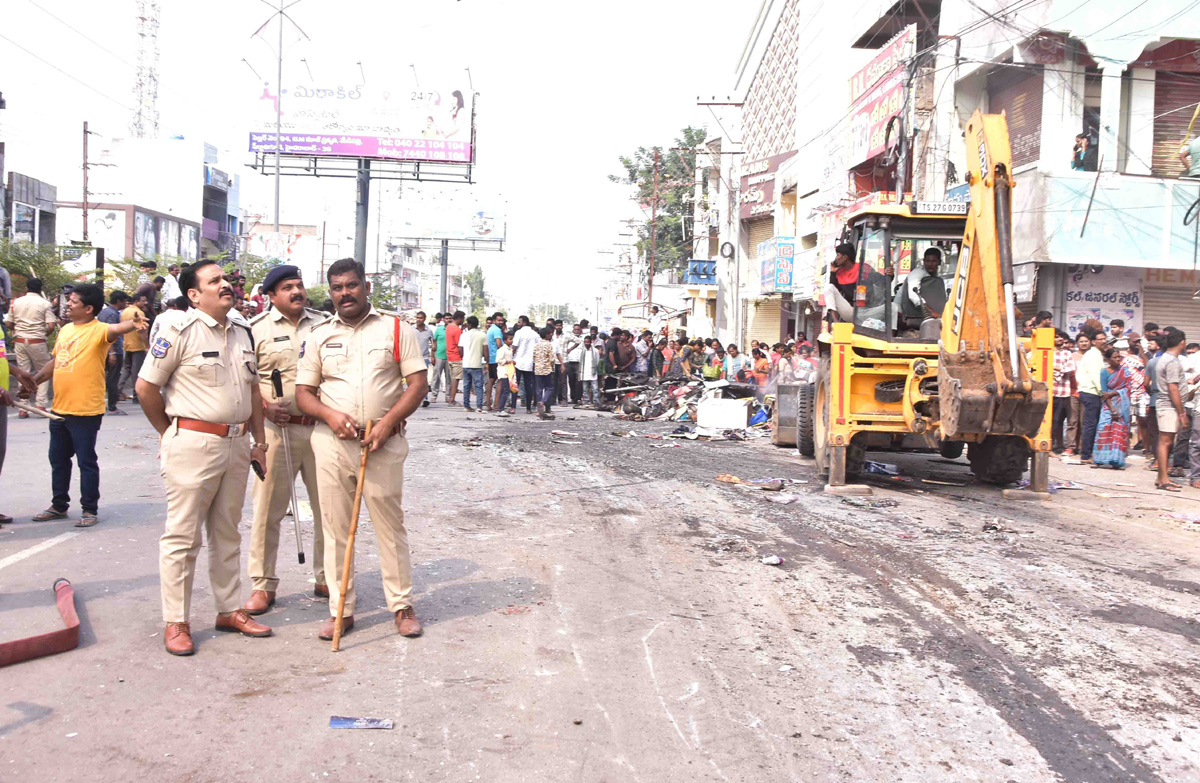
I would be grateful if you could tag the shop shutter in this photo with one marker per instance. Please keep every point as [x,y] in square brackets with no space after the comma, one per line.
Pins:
[765,321]
[1175,96]
[1172,306]
[1017,91]
[760,231]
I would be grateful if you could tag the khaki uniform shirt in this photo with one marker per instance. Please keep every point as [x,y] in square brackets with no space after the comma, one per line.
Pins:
[206,369]
[277,347]
[354,368]
[30,315]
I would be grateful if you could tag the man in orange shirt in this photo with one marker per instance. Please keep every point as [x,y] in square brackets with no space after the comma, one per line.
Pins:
[79,398]
[454,353]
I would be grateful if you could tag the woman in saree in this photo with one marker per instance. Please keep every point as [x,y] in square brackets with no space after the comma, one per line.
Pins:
[1112,432]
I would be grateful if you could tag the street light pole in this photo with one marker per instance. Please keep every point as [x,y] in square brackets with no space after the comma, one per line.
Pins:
[278,109]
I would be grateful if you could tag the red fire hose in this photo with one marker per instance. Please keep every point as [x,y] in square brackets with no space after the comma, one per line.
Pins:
[66,638]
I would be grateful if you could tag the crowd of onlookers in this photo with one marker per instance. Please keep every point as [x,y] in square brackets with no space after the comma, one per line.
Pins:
[1116,392]
[503,366]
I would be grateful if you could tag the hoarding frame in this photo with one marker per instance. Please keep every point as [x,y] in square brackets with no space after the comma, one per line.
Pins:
[293,165]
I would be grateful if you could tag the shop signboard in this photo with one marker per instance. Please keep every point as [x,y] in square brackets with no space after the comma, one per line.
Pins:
[777,256]
[877,95]
[1103,293]
[344,115]
[758,186]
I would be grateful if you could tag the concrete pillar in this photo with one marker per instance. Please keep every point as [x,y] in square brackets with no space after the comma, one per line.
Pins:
[1110,115]
[1141,121]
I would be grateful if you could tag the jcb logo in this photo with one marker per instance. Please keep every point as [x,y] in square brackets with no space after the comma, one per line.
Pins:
[960,289]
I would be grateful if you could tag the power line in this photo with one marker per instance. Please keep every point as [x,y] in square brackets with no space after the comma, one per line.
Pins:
[64,73]
[93,41]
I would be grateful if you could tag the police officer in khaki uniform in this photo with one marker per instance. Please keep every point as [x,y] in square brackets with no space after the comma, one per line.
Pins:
[31,319]
[278,335]
[199,389]
[359,366]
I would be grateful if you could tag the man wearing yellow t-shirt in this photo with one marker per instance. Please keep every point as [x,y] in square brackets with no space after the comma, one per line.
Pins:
[135,344]
[79,398]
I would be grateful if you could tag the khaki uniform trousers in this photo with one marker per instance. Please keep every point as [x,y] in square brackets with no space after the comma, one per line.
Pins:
[271,499]
[383,489]
[206,487]
[31,357]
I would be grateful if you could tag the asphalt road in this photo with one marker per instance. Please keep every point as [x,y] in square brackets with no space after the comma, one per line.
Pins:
[598,611]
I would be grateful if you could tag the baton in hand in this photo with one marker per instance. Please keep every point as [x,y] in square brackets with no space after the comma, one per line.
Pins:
[277,382]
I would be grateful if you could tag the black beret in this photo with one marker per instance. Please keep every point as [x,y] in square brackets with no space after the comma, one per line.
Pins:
[282,272]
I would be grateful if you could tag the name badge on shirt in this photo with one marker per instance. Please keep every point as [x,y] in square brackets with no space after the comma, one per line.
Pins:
[283,339]
[210,354]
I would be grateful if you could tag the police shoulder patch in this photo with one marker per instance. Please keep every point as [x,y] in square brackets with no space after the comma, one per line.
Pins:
[302,348]
[160,347]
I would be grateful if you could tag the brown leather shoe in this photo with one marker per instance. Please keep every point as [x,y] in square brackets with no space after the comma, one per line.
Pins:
[242,623]
[326,631]
[321,591]
[260,601]
[178,639]
[407,623]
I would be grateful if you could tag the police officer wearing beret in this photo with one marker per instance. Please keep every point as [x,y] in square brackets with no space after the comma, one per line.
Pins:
[199,388]
[278,334]
[362,365]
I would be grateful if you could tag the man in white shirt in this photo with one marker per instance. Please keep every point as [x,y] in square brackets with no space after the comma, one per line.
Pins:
[170,289]
[923,294]
[558,340]
[656,323]
[589,361]
[573,349]
[1088,375]
[523,344]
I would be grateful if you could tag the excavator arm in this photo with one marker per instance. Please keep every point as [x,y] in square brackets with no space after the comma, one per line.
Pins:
[985,387]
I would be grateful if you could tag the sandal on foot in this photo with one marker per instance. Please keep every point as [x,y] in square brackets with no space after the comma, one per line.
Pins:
[87,519]
[49,514]
[1170,486]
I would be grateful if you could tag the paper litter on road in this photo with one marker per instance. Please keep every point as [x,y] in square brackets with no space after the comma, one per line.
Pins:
[564,433]
[568,442]
[772,560]
[340,722]
[1112,495]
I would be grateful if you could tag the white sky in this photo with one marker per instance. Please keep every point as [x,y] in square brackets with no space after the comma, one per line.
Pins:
[565,88]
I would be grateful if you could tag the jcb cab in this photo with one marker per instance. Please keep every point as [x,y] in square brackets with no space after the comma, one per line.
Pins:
[898,373]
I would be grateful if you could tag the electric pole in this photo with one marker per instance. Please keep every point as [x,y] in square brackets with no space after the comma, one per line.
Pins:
[653,231]
[278,109]
[282,14]
[85,181]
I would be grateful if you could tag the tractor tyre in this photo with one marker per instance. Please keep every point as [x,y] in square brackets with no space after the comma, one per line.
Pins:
[999,459]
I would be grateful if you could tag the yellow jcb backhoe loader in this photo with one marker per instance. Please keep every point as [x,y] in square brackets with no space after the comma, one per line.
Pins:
[889,381]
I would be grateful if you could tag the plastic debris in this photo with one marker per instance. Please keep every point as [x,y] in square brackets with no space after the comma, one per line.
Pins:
[773,560]
[564,433]
[340,722]
[882,468]
[567,442]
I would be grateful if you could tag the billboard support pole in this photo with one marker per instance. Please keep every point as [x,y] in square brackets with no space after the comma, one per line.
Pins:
[362,208]
[278,109]
[445,264]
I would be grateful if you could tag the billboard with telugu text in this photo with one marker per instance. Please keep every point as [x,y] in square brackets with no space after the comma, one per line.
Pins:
[384,119]
[876,96]
[777,256]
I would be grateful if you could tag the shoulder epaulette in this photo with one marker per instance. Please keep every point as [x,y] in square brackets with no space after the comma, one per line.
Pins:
[319,314]
[259,317]
[326,322]
[179,324]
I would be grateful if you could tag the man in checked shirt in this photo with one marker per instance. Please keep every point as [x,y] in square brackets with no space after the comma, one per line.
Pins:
[1064,384]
